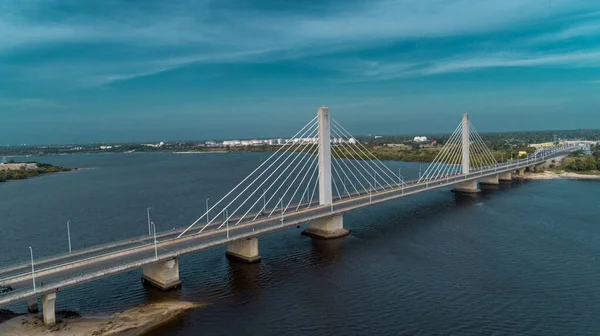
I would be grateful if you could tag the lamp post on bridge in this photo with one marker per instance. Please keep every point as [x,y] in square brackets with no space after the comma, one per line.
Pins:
[155,247]
[149,229]
[400,175]
[281,208]
[374,178]
[227,222]
[69,235]
[207,219]
[32,268]
[344,184]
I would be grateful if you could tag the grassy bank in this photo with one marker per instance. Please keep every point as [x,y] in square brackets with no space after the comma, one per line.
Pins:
[24,173]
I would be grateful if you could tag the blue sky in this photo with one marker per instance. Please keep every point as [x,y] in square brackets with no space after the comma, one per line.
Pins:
[116,70]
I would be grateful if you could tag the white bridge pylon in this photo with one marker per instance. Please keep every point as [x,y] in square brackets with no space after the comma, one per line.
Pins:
[463,152]
[323,155]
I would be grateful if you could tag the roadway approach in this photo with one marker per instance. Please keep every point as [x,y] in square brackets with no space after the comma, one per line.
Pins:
[158,255]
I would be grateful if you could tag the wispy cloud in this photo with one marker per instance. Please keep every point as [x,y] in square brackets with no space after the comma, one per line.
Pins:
[375,71]
[135,41]
[588,29]
[569,59]
[31,103]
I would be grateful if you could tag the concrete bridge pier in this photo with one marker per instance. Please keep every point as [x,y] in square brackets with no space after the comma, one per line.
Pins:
[467,187]
[327,228]
[32,306]
[505,177]
[245,250]
[49,309]
[521,172]
[162,274]
[490,180]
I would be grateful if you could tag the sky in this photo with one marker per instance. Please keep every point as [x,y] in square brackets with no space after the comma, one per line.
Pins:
[117,70]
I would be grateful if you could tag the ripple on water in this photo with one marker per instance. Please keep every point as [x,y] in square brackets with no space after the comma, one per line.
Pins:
[517,260]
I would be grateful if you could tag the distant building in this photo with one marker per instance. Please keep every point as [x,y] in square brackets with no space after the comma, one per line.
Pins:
[542,145]
[402,146]
[420,139]
[581,143]
[158,145]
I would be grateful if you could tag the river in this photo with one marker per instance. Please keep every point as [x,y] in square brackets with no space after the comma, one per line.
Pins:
[521,258]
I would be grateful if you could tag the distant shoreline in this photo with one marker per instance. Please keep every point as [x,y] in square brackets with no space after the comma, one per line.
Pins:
[199,152]
[551,175]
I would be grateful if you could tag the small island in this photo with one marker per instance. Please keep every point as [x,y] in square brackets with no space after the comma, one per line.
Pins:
[22,170]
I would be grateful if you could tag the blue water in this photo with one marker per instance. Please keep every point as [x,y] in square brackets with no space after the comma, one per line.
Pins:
[519,259]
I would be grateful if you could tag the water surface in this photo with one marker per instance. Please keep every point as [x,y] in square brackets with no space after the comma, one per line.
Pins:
[516,259]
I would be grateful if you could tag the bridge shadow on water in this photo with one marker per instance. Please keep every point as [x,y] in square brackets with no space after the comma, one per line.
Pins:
[286,253]
[398,217]
[325,252]
[244,278]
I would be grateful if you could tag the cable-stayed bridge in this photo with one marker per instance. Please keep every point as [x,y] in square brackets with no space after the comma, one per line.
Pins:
[321,173]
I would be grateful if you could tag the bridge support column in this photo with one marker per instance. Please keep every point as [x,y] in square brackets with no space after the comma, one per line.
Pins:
[521,172]
[49,309]
[466,144]
[245,250]
[492,180]
[327,228]
[505,177]
[32,306]
[162,274]
[467,187]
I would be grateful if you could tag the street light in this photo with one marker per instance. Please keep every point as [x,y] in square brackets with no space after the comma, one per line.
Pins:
[374,178]
[227,222]
[281,206]
[207,219]
[155,247]
[400,175]
[69,235]
[32,269]
[149,230]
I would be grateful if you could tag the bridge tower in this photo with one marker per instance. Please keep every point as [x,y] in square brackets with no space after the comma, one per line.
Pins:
[470,186]
[466,144]
[325,192]
[333,226]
